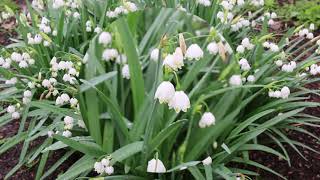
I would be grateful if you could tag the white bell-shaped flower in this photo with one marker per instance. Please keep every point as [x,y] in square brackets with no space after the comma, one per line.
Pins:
[213,48]
[235,80]
[156,166]
[164,92]
[194,52]
[154,55]
[125,71]
[285,92]
[179,102]
[105,38]
[207,120]
[207,161]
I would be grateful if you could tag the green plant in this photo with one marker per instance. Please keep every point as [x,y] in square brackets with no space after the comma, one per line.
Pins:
[95,92]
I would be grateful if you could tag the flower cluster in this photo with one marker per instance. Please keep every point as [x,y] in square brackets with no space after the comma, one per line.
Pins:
[176,100]
[245,44]
[12,110]
[123,9]
[283,93]
[104,166]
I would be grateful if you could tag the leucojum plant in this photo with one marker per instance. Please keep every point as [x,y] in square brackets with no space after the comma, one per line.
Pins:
[156,93]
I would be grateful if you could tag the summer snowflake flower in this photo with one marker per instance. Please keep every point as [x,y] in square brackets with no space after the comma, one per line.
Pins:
[279,63]
[285,92]
[204,2]
[174,61]
[110,54]
[251,78]
[207,161]
[213,48]
[98,167]
[164,92]
[235,80]
[11,81]
[105,38]
[57,4]
[245,66]
[240,49]
[156,166]
[104,166]
[66,133]
[121,59]
[50,133]
[68,120]
[11,109]
[179,102]
[15,115]
[207,120]
[97,30]
[125,71]
[154,55]
[194,52]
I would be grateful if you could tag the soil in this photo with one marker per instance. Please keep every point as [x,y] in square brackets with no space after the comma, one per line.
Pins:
[308,168]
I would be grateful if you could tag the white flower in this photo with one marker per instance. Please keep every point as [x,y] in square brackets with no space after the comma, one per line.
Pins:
[285,92]
[73,102]
[68,120]
[109,170]
[105,162]
[164,92]
[110,54]
[105,38]
[279,63]
[205,3]
[66,133]
[251,78]
[27,93]
[57,4]
[312,26]
[16,57]
[154,55]
[275,94]
[274,47]
[240,49]
[121,59]
[59,101]
[54,33]
[207,120]
[213,48]
[46,83]
[174,61]
[235,80]
[65,97]
[246,43]
[11,109]
[125,71]
[207,161]
[194,52]
[23,64]
[131,6]
[50,133]
[310,36]
[240,2]
[97,30]
[76,15]
[156,166]
[15,115]
[179,102]
[11,81]
[98,167]
[245,66]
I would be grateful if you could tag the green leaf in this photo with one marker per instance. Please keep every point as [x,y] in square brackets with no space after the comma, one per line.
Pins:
[136,77]
[84,148]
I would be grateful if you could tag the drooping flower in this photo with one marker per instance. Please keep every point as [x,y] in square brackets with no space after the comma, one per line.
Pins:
[251,78]
[66,133]
[179,102]
[164,92]
[235,80]
[156,166]
[110,54]
[105,38]
[174,61]
[154,55]
[285,92]
[207,161]
[125,71]
[207,120]
[244,65]
[194,52]
[213,48]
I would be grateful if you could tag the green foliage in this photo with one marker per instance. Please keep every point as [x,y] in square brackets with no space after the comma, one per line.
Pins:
[302,12]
